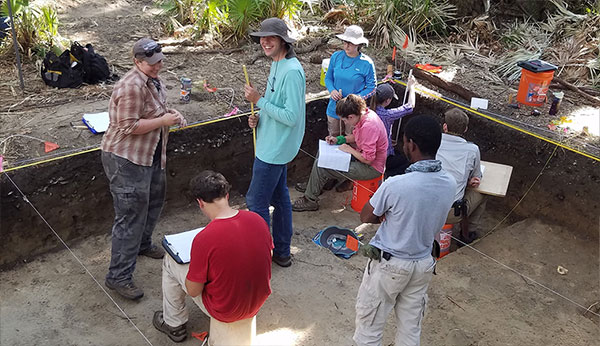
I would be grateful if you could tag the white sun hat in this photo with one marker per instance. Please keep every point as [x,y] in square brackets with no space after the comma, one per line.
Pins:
[354,34]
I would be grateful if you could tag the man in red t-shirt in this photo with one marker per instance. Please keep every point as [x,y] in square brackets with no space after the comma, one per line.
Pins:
[229,275]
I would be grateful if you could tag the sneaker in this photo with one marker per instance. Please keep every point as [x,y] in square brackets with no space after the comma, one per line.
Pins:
[177,334]
[282,261]
[304,204]
[128,291]
[153,252]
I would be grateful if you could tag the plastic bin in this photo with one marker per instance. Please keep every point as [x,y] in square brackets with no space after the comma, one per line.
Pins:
[536,76]
[362,191]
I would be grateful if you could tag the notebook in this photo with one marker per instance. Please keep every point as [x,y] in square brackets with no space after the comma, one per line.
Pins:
[179,245]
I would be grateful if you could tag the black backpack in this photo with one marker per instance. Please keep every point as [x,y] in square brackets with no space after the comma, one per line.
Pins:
[61,71]
[95,67]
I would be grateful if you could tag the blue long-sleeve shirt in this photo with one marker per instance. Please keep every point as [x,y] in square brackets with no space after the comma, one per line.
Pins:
[351,75]
[282,113]
[388,116]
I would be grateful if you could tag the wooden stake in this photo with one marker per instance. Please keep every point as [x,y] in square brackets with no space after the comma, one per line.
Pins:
[251,109]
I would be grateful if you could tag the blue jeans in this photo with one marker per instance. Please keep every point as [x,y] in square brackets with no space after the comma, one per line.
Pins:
[138,195]
[269,187]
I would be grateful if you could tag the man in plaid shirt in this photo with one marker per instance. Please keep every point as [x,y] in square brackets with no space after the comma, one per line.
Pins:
[134,159]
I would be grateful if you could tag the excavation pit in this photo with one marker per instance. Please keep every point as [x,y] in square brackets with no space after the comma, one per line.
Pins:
[473,300]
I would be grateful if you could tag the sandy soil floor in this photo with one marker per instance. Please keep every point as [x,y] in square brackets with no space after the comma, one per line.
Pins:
[473,300]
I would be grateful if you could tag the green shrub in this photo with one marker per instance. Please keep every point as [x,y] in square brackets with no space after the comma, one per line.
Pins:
[36,28]
[395,18]
[216,16]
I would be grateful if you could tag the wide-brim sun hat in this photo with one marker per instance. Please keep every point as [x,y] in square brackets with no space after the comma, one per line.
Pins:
[355,35]
[272,27]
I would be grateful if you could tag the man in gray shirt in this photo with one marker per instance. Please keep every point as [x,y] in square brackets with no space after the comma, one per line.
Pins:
[461,159]
[412,208]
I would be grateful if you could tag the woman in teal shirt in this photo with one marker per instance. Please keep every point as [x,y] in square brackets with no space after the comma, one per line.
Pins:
[349,72]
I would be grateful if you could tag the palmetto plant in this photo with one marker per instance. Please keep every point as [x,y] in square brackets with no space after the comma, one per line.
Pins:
[242,13]
[394,18]
[235,16]
[36,27]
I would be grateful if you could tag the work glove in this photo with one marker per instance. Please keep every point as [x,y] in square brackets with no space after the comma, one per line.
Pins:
[370,251]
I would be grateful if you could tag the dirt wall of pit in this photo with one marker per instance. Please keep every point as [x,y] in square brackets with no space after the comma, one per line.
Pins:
[73,195]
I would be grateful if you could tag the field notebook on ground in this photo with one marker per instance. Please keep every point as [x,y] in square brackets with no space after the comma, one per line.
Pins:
[179,245]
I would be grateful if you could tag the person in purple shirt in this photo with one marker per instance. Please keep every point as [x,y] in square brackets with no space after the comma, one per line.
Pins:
[396,163]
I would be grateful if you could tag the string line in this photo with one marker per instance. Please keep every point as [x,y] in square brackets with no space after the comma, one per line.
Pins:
[77,259]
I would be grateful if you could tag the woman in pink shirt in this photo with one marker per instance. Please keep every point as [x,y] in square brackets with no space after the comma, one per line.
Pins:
[368,159]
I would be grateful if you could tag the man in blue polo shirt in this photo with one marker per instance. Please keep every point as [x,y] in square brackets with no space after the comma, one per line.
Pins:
[279,133]
[412,208]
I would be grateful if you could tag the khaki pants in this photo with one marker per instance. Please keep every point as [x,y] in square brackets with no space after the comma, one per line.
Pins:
[396,284]
[475,208]
[337,127]
[174,292]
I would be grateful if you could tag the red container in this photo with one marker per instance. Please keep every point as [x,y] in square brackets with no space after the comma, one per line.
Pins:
[362,191]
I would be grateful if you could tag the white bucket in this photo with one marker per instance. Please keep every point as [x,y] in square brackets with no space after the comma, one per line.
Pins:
[324,67]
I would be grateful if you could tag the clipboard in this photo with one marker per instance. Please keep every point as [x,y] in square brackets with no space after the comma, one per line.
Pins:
[179,245]
[96,122]
[495,179]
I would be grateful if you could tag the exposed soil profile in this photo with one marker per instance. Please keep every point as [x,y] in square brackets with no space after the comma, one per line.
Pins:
[473,299]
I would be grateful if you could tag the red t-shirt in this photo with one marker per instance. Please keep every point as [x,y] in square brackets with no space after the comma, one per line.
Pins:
[232,257]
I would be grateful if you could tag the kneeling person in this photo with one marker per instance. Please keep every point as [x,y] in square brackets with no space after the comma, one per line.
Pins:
[229,273]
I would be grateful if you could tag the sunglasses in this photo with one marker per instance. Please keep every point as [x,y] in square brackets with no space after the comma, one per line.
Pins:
[149,51]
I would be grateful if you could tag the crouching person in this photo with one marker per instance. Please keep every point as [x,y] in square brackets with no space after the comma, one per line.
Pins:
[411,208]
[229,273]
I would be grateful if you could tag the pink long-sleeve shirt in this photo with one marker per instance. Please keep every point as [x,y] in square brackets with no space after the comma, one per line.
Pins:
[371,139]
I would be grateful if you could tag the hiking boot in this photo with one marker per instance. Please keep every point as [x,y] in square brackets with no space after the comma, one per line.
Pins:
[282,261]
[300,187]
[344,186]
[153,252]
[128,291]
[177,334]
[304,204]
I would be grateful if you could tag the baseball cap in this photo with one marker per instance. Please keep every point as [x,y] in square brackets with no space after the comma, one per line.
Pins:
[385,91]
[148,50]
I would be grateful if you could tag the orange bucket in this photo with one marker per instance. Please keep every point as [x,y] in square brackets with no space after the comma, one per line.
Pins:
[536,76]
[362,191]
[444,238]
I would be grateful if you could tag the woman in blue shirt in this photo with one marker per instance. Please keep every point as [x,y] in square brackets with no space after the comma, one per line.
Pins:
[349,72]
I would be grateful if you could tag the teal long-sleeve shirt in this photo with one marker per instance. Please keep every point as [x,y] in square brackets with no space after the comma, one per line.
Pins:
[282,113]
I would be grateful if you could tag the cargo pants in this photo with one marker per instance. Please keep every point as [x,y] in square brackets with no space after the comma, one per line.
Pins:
[138,194]
[394,284]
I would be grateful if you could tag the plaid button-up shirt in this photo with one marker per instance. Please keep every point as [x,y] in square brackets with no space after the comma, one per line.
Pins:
[133,98]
